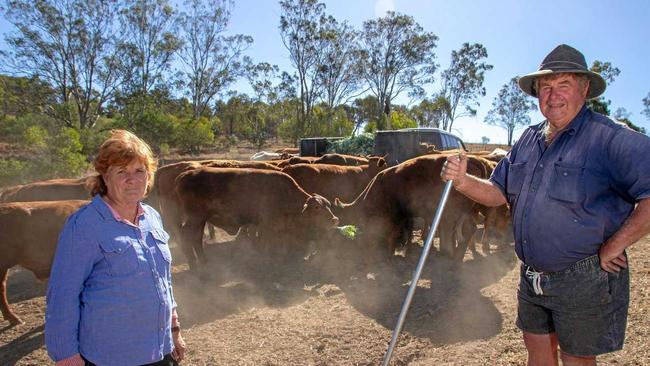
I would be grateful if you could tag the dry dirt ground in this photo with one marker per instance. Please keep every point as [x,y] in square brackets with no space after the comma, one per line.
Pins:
[321,306]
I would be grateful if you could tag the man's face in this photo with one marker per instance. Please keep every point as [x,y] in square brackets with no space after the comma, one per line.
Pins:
[560,98]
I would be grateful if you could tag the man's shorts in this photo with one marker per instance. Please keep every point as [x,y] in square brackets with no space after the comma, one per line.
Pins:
[585,305]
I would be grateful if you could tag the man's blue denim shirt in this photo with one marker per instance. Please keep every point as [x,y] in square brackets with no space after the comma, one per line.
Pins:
[568,198]
[110,296]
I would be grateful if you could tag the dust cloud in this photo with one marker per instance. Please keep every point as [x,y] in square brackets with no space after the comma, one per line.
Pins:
[448,305]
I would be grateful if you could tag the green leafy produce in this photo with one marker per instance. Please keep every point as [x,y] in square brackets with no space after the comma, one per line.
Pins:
[354,145]
[349,231]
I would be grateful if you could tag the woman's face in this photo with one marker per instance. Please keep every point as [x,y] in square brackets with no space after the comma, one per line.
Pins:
[126,184]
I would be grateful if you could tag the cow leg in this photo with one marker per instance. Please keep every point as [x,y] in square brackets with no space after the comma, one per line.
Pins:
[488,224]
[192,238]
[7,314]
[212,234]
[446,237]
[172,220]
[466,228]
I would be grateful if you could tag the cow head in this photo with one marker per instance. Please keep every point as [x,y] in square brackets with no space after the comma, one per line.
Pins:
[377,162]
[317,210]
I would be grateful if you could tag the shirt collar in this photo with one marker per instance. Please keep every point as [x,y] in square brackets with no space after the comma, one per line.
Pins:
[108,213]
[575,124]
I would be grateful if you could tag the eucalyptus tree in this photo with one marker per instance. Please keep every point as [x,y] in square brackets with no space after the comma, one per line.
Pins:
[72,46]
[364,111]
[510,109]
[261,120]
[609,72]
[429,113]
[622,115]
[300,29]
[338,72]
[211,60]
[150,40]
[395,55]
[462,83]
[646,106]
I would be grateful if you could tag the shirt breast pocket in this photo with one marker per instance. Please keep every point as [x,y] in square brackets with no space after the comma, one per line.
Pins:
[567,183]
[121,256]
[515,179]
[161,238]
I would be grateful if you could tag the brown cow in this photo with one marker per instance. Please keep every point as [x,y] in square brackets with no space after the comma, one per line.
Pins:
[47,190]
[293,160]
[30,231]
[288,150]
[163,194]
[385,209]
[341,159]
[331,181]
[230,198]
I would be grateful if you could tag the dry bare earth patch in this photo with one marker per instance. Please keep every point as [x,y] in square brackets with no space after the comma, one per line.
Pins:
[320,307]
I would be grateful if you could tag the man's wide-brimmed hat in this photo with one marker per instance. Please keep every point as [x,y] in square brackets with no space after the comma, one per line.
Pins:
[564,59]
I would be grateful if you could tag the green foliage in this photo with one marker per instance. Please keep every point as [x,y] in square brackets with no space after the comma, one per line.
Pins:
[463,82]
[71,46]
[301,23]
[153,126]
[20,96]
[65,157]
[288,129]
[609,72]
[13,129]
[92,138]
[224,142]
[399,120]
[510,109]
[10,129]
[396,55]
[622,115]
[364,111]
[35,137]
[57,155]
[328,122]
[370,127]
[355,145]
[193,135]
[430,113]
[12,172]
[211,60]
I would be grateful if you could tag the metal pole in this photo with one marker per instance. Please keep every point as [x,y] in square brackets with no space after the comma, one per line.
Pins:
[418,272]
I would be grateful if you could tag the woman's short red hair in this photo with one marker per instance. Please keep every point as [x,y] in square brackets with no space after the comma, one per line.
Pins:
[121,149]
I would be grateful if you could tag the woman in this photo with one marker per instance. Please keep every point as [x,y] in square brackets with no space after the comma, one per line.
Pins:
[109,298]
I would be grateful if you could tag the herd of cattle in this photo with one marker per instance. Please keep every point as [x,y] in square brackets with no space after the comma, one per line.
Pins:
[276,202]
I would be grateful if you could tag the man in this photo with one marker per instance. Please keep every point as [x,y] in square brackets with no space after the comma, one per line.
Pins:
[578,187]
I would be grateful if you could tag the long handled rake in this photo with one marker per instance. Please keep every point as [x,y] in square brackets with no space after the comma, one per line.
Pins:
[418,272]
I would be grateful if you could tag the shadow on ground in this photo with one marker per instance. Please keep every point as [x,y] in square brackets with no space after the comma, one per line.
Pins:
[447,307]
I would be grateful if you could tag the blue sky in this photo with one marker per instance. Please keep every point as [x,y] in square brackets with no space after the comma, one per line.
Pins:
[517,35]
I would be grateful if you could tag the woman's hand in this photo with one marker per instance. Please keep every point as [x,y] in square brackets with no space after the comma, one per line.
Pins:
[178,353]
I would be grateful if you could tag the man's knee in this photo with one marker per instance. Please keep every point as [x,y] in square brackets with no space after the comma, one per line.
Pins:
[542,349]
[571,360]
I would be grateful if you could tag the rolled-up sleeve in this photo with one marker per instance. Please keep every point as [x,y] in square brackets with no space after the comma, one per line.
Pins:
[498,176]
[73,263]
